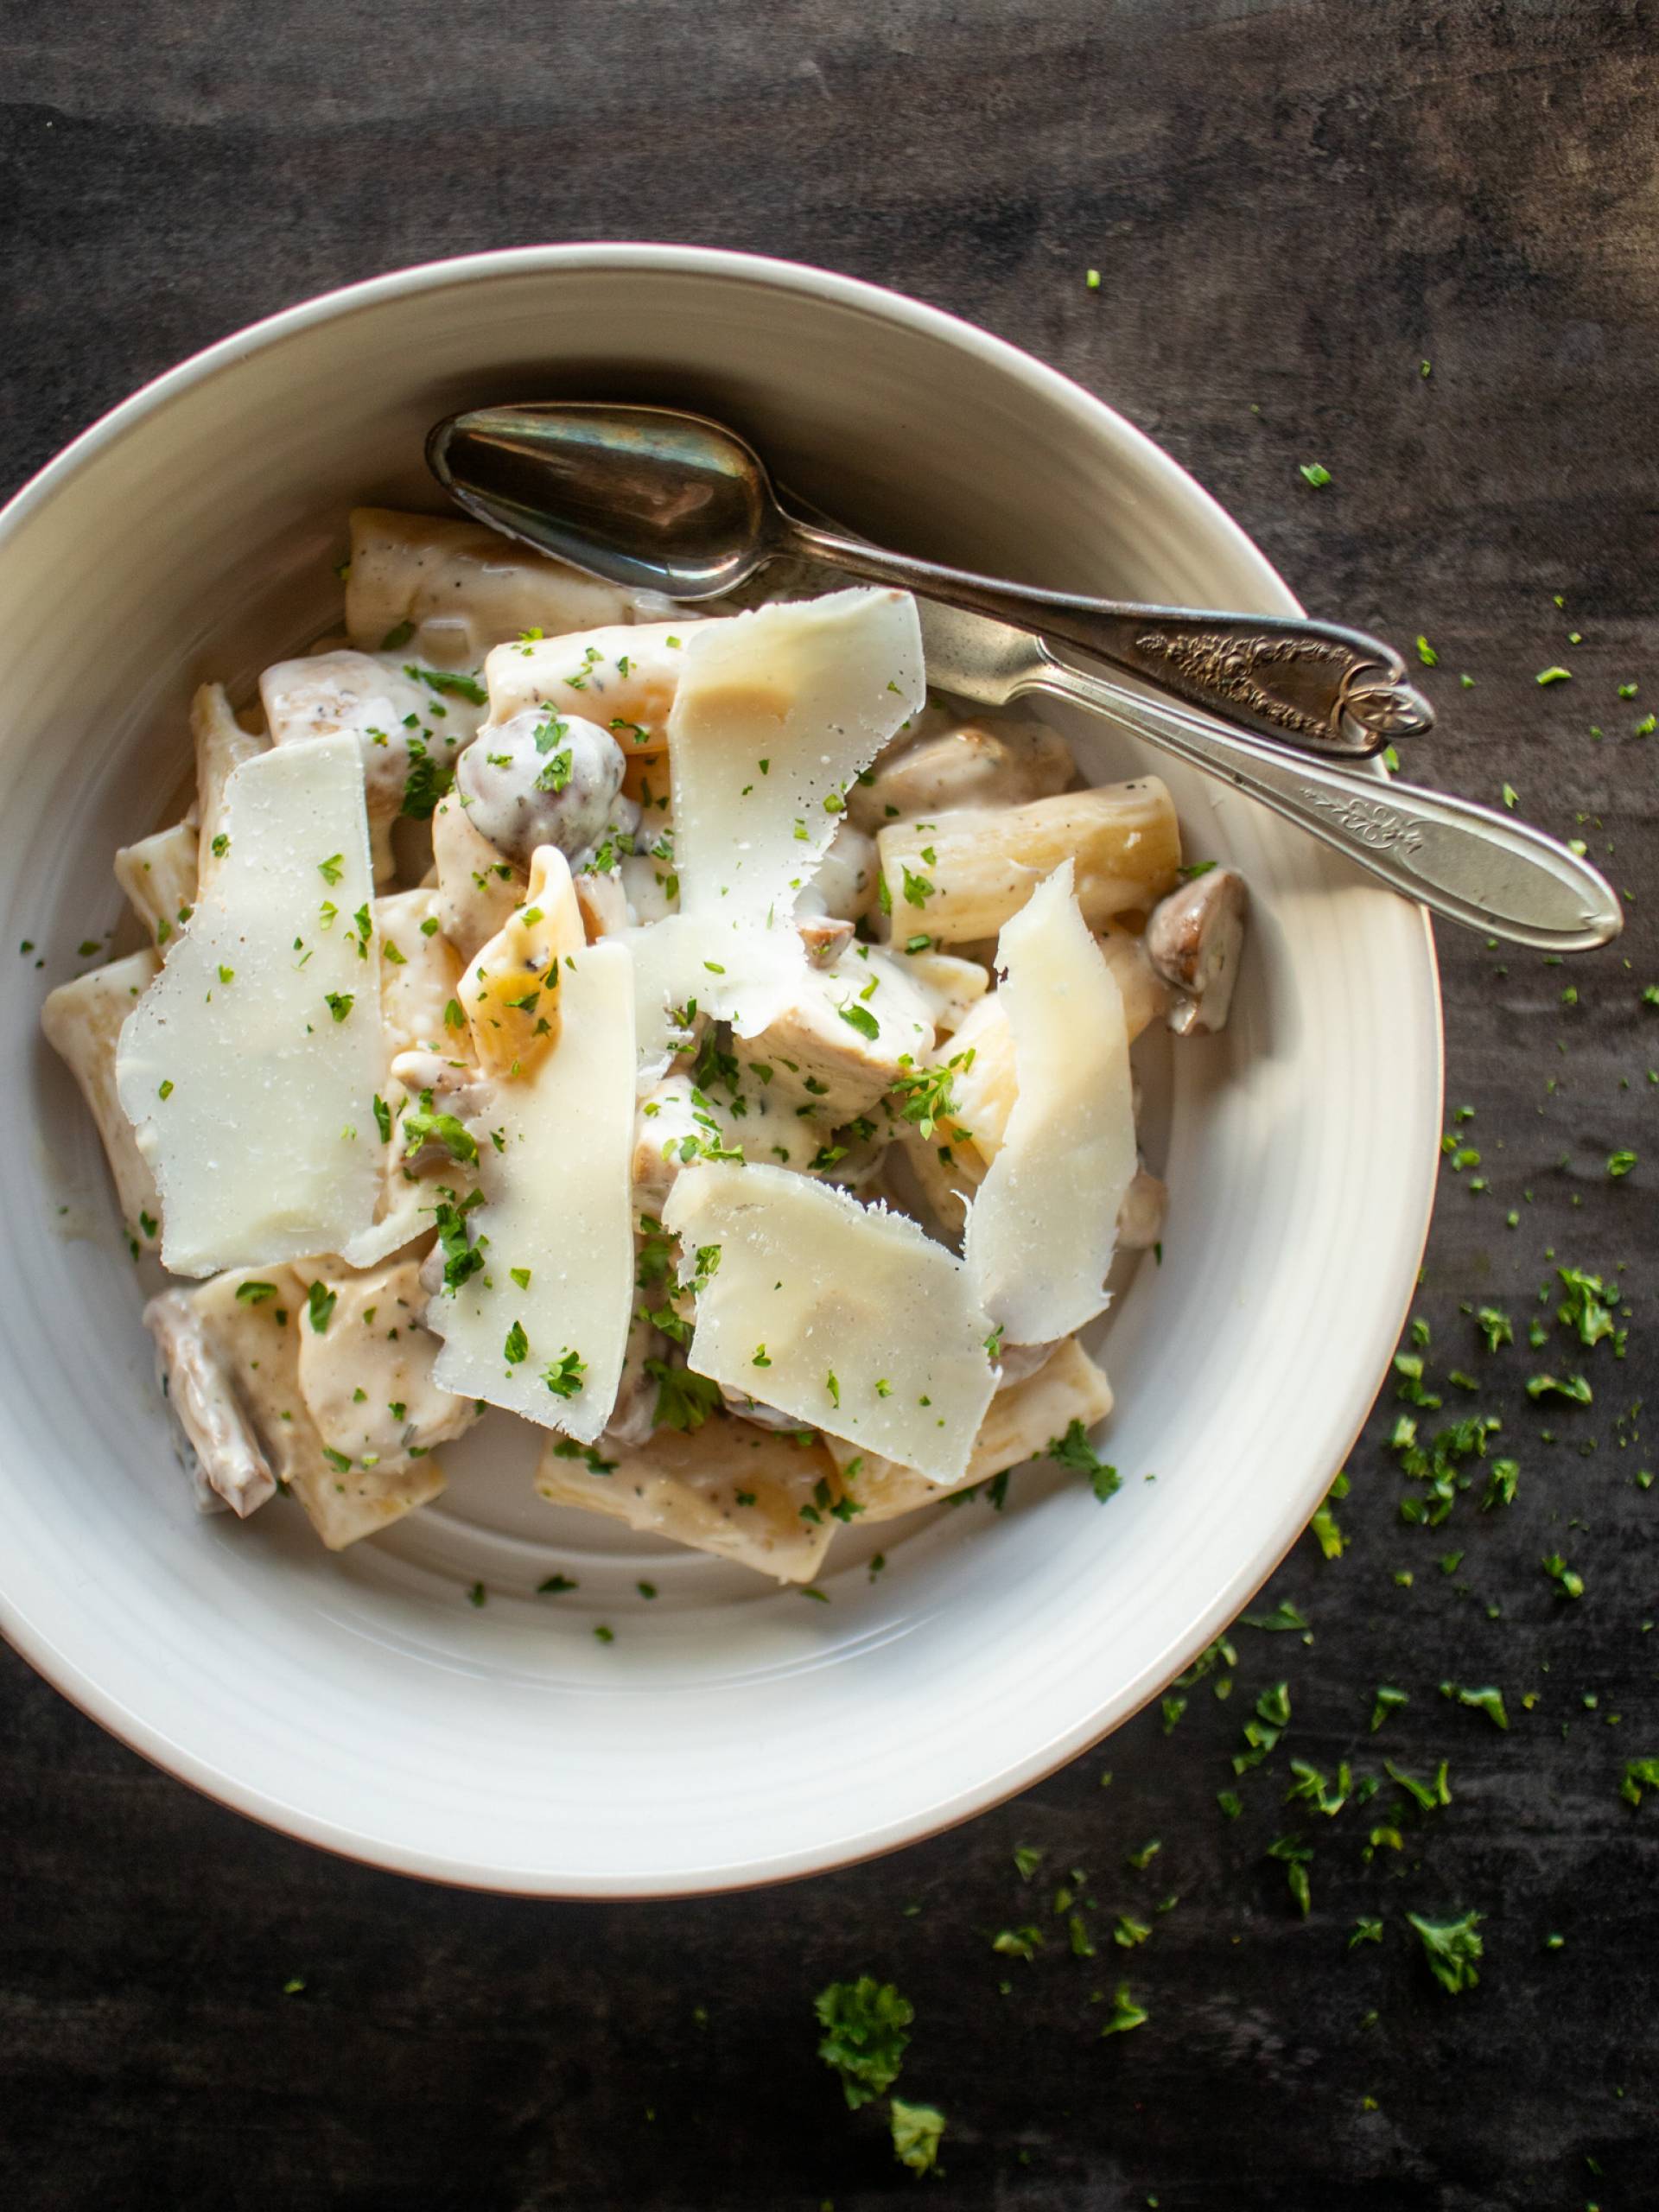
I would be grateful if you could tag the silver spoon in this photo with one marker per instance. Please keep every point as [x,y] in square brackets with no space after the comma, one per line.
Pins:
[664,501]
[657,499]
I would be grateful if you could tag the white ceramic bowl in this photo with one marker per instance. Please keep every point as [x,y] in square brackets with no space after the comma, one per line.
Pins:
[731,1734]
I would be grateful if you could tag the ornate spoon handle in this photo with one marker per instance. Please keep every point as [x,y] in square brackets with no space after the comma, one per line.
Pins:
[1481,869]
[1313,687]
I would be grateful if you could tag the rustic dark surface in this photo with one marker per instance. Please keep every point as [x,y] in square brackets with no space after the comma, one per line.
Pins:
[1292,209]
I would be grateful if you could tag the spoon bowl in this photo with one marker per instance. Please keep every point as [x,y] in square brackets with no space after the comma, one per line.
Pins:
[647,498]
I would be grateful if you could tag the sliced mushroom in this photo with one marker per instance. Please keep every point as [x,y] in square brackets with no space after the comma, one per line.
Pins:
[826,937]
[845,880]
[1194,940]
[159,875]
[1017,1363]
[1145,994]
[970,766]
[477,888]
[217,1446]
[634,1417]
[82,1022]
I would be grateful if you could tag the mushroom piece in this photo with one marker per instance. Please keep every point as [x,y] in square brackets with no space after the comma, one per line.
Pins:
[634,1417]
[82,1023]
[844,882]
[1141,1216]
[218,1449]
[826,937]
[1019,1363]
[1193,940]
[604,904]
[971,765]
[541,778]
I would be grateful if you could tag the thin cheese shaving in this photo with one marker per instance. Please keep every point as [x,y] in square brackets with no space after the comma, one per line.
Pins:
[249,1067]
[1043,1222]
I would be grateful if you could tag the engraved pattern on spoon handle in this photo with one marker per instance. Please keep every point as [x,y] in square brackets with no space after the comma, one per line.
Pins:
[1311,686]
[1473,866]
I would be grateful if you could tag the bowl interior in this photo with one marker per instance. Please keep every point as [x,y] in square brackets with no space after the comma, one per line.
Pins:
[731,1733]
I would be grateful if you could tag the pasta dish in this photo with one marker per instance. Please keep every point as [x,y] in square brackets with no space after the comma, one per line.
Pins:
[676,1030]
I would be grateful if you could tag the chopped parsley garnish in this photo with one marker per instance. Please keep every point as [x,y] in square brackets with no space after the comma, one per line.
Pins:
[461,1259]
[684,1401]
[563,1375]
[340,1004]
[1314,473]
[1074,1450]
[254,1294]
[916,2132]
[446,681]
[555,1585]
[1451,1948]
[1126,2013]
[566,1447]
[1571,1582]
[332,868]
[383,1118]
[865,2024]
[424,1125]
[859,1018]
[1639,1775]
[1295,1855]
[918,889]
[320,1302]
[516,1350]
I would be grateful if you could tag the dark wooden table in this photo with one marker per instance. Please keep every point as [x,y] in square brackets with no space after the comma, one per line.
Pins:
[1419,245]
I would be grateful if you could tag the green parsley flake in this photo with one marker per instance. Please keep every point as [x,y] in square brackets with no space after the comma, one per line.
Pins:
[563,1375]
[916,2132]
[1451,1948]
[865,2036]
[516,1350]
[1316,474]
[320,1304]
[1074,1450]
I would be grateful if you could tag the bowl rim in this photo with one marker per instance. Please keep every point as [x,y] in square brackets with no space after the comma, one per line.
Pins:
[103,1706]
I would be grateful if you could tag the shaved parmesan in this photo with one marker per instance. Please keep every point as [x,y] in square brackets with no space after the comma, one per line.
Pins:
[812,690]
[249,1067]
[845,1317]
[776,714]
[1043,1222]
[728,1487]
[553,1166]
